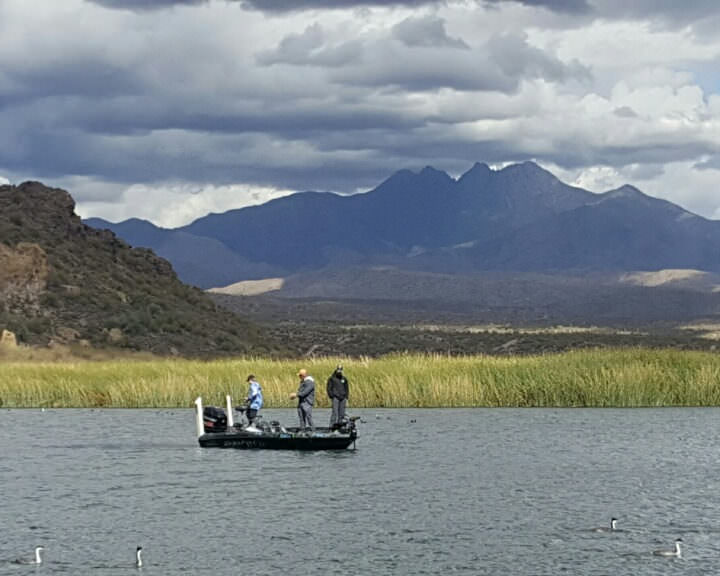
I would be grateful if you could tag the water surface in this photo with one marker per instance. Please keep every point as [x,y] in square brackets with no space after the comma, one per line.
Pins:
[482,491]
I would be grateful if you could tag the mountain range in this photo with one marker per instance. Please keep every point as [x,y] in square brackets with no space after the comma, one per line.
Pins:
[518,219]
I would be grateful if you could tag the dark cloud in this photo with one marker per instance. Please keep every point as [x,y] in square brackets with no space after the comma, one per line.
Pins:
[278,6]
[637,172]
[427,65]
[575,153]
[569,6]
[286,121]
[281,6]
[144,4]
[517,59]
[426,71]
[625,112]
[670,11]
[89,77]
[426,31]
[300,5]
[303,44]
[309,49]
[713,163]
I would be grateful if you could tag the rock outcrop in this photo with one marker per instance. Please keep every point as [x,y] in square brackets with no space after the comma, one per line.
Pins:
[23,277]
[62,281]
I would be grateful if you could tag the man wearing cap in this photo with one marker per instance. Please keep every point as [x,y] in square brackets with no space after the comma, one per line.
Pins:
[338,392]
[306,399]
[254,399]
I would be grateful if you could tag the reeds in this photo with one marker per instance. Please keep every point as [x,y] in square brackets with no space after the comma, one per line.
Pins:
[621,378]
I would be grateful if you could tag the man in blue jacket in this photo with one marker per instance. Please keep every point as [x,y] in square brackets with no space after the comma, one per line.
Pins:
[254,399]
[306,399]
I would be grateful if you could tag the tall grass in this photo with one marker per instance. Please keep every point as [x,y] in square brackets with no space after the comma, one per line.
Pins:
[623,377]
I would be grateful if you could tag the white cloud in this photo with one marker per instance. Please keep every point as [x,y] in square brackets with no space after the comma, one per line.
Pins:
[171,205]
[684,184]
[598,179]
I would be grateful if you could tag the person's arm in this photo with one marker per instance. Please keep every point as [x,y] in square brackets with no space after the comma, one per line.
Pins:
[347,388]
[329,387]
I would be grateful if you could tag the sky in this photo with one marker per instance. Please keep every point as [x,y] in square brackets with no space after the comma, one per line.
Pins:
[170,109]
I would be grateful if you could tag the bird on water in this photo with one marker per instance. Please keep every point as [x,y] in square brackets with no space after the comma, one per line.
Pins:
[611,528]
[676,553]
[36,560]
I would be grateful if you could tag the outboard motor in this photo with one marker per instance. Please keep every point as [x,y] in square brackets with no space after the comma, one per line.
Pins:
[214,419]
[347,424]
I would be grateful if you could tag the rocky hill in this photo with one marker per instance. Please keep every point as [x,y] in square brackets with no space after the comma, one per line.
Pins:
[518,219]
[62,281]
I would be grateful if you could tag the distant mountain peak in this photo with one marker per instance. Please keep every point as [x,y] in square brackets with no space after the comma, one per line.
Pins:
[430,171]
[527,168]
[399,177]
[406,177]
[625,191]
[479,172]
[439,176]
[136,220]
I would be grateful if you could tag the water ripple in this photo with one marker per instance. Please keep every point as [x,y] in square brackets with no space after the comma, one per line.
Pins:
[458,492]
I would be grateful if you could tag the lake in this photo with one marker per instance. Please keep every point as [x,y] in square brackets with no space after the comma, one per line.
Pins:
[462,491]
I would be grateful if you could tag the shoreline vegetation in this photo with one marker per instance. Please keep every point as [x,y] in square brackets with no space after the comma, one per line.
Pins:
[635,377]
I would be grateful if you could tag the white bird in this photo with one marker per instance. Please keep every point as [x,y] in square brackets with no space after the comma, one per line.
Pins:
[37,560]
[138,557]
[611,528]
[677,553]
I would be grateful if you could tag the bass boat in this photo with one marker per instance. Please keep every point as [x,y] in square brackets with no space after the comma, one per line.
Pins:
[216,429]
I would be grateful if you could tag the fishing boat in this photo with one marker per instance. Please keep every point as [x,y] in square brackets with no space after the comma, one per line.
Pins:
[216,429]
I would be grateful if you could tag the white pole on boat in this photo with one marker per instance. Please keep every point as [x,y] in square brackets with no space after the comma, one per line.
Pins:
[228,404]
[199,416]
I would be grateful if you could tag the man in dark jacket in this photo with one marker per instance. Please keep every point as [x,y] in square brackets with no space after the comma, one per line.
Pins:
[306,399]
[338,392]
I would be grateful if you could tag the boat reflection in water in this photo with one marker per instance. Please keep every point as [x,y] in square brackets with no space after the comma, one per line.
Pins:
[216,429]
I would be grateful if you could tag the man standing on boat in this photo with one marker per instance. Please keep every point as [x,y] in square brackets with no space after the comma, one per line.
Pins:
[306,399]
[338,392]
[254,399]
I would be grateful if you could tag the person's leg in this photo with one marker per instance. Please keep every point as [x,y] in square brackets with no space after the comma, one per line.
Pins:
[334,419]
[251,415]
[308,416]
[301,416]
[341,409]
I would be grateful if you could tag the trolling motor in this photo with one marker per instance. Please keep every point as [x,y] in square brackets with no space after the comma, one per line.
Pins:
[257,425]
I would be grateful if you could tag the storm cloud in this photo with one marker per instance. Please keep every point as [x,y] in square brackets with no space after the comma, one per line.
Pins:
[668,10]
[219,104]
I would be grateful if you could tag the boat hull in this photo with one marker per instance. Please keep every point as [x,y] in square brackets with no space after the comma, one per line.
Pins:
[283,441]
